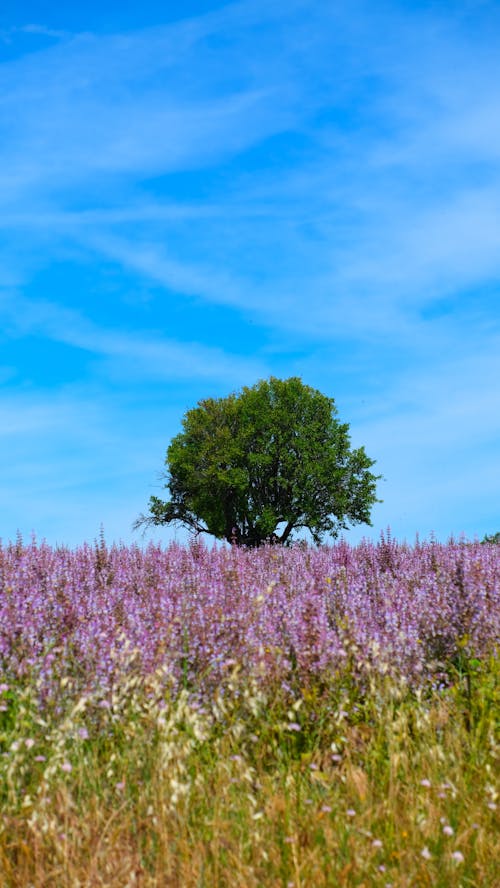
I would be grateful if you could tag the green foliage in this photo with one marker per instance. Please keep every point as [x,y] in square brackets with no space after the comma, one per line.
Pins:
[492,538]
[264,463]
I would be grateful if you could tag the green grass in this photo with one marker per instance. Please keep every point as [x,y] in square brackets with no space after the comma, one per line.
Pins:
[329,787]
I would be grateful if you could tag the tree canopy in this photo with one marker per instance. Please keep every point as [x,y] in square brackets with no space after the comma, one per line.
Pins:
[262,464]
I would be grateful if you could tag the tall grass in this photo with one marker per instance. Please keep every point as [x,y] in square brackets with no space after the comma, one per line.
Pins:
[385,787]
[331,763]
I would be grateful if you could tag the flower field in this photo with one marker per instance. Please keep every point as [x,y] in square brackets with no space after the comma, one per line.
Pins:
[287,717]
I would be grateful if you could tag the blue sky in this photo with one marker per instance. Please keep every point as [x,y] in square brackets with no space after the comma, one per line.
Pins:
[197,195]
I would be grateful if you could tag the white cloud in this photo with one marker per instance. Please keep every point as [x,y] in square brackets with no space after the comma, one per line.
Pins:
[434,434]
[44,31]
[142,103]
[381,215]
[339,175]
[148,356]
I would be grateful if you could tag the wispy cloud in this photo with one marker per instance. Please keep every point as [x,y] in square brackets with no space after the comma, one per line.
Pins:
[435,436]
[78,458]
[316,184]
[379,217]
[95,106]
[148,356]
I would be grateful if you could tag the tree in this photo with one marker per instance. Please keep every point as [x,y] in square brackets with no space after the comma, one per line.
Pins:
[263,463]
[492,538]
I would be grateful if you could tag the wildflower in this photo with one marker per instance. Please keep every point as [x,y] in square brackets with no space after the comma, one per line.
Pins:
[326,809]
[376,843]
[492,806]
[40,758]
[293,726]
[426,783]
[83,733]
[457,856]
[448,830]
[29,742]
[351,812]
[67,767]
[425,853]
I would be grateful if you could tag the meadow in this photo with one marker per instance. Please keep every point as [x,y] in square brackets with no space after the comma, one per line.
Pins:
[187,716]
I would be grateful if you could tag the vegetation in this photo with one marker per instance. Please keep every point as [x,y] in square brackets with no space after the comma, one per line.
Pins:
[263,464]
[492,538]
[234,717]
[334,788]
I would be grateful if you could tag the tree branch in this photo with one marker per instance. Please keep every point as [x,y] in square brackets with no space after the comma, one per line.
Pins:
[287,531]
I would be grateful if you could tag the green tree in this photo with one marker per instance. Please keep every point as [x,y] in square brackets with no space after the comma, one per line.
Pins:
[492,538]
[262,464]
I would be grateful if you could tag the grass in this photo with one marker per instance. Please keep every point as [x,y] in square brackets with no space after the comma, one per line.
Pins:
[348,784]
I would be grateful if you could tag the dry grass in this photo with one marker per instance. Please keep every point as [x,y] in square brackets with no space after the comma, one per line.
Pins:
[332,787]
